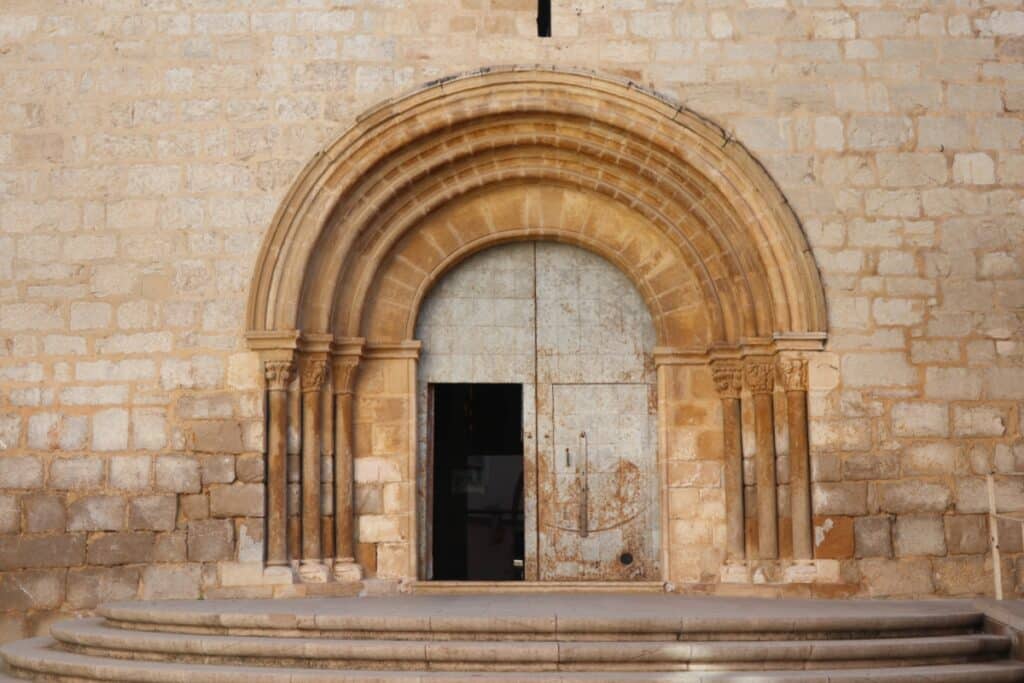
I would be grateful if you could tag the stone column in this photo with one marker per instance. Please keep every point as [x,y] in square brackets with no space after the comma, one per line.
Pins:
[346,361]
[314,370]
[793,372]
[278,374]
[728,377]
[759,375]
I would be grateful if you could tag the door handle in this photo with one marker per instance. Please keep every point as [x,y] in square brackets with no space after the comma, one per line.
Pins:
[585,488]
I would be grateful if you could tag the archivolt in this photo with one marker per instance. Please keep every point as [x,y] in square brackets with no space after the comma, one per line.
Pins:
[425,180]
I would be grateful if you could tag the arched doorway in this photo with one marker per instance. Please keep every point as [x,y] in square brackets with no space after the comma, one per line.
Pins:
[423,183]
[573,492]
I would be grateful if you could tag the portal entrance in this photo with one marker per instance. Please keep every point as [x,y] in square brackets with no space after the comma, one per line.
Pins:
[571,334]
[477,501]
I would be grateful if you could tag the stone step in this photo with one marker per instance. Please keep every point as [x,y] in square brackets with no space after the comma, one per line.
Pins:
[551,617]
[94,637]
[36,658]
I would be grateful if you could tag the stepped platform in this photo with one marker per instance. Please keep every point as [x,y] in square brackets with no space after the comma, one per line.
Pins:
[541,637]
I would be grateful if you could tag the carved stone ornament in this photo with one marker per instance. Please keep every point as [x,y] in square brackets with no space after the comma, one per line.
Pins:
[759,375]
[279,374]
[793,373]
[345,373]
[314,372]
[728,377]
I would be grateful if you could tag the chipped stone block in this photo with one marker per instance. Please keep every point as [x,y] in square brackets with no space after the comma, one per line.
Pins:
[44,512]
[33,589]
[249,468]
[909,496]
[979,421]
[217,469]
[897,578]
[131,472]
[968,534]
[873,536]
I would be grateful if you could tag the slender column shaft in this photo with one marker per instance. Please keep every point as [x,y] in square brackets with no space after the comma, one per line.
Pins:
[759,375]
[728,378]
[343,542]
[312,381]
[346,362]
[794,376]
[278,374]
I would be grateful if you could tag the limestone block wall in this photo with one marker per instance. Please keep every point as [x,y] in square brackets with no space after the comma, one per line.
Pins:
[144,145]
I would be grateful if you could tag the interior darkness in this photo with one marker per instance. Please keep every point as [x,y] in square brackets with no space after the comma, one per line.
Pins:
[478,482]
[544,18]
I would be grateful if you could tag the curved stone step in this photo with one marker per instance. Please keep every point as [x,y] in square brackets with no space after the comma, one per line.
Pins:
[36,658]
[550,617]
[92,636]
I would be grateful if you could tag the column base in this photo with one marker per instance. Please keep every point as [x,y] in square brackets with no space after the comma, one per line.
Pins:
[347,570]
[311,571]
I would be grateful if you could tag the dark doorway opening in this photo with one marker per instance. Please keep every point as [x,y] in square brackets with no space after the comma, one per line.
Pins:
[477,454]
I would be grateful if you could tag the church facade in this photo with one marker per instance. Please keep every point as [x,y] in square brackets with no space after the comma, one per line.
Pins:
[317,298]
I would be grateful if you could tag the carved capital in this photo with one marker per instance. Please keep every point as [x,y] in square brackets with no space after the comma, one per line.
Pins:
[314,372]
[793,373]
[279,374]
[759,375]
[345,373]
[728,377]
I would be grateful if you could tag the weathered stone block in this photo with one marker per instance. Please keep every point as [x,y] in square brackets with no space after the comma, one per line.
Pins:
[920,419]
[96,513]
[979,421]
[29,552]
[10,515]
[90,587]
[170,546]
[217,469]
[44,512]
[920,535]
[211,540]
[873,536]
[131,472]
[128,547]
[177,474]
[166,582]
[21,472]
[249,468]
[158,513]
[897,578]
[966,534]
[840,498]
[35,589]
[76,473]
[220,436]
[237,500]
[909,496]
[963,576]
[930,459]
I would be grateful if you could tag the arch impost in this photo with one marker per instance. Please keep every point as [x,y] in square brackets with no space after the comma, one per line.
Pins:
[670,355]
[316,343]
[800,341]
[273,345]
[348,347]
[409,349]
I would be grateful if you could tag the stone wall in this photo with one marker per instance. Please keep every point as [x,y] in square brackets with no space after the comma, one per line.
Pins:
[144,145]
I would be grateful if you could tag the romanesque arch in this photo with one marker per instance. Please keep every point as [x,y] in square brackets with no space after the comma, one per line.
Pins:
[424,181]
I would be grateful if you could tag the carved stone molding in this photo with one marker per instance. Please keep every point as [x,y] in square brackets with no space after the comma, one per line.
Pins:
[314,372]
[759,375]
[279,374]
[793,374]
[728,377]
